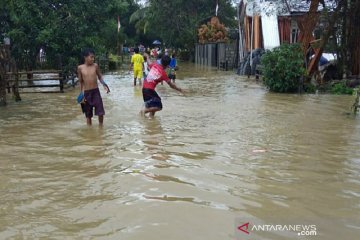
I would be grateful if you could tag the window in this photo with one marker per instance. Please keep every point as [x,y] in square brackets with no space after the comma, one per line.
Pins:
[294,35]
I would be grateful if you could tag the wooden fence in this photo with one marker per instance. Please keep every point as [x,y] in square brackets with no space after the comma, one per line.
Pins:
[40,81]
[220,55]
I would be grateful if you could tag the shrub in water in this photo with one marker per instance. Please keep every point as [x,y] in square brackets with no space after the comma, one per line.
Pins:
[341,88]
[283,67]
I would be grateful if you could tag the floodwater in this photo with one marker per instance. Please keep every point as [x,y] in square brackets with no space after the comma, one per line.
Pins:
[227,153]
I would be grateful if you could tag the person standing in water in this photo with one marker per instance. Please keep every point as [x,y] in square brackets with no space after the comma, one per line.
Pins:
[137,62]
[88,74]
[156,75]
[173,67]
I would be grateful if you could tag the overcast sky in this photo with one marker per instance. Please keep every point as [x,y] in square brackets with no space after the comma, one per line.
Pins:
[142,2]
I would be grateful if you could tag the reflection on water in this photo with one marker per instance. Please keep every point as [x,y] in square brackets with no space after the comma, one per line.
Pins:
[226,150]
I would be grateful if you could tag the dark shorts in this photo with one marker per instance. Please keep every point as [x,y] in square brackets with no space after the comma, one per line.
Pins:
[151,98]
[93,100]
[172,76]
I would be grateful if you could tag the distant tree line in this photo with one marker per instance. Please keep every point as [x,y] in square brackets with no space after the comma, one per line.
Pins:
[62,28]
[176,22]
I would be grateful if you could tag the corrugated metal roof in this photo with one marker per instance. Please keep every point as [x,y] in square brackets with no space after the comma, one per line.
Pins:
[304,5]
[280,8]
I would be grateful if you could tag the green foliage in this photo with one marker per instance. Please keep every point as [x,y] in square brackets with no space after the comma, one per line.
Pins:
[283,68]
[309,88]
[62,28]
[341,88]
[355,106]
[184,55]
[176,22]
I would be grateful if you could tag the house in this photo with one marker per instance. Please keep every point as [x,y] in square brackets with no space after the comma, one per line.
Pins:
[265,24]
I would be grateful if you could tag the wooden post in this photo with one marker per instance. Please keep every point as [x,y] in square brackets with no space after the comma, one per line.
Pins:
[2,88]
[8,85]
[16,87]
[3,62]
[73,81]
[61,81]
[16,93]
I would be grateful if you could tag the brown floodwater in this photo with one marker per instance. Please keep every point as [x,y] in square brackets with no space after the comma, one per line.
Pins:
[228,152]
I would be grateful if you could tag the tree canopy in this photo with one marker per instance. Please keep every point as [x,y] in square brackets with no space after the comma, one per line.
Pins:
[64,27]
[176,22]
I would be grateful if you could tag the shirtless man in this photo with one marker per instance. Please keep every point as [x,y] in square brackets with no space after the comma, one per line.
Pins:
[88,74]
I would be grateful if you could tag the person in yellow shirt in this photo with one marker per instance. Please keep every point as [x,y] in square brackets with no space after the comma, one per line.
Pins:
[137,62]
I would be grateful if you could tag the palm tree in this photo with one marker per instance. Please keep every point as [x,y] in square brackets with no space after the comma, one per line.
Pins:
[141,19]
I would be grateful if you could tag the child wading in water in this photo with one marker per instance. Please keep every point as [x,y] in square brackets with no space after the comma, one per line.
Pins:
[137,62]
[88,74]
[156,75]
[173,67]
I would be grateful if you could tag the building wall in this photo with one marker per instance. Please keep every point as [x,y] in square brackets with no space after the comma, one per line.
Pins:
[220,55]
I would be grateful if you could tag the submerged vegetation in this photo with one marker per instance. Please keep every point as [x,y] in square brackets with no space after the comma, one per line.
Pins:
[336,32]
[283,68]
[340,88]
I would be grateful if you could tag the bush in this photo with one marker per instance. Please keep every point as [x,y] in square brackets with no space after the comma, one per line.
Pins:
[341,88]
[309,88]
[282,68]
[113,62]
[183,55]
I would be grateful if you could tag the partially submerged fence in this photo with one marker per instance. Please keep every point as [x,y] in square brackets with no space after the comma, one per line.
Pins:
[39,81]
[6,64]
[220,55]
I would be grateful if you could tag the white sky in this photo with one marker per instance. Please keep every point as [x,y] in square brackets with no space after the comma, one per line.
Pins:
[234,2]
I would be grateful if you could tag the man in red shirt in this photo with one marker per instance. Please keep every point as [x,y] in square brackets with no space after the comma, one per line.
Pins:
[156,75]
